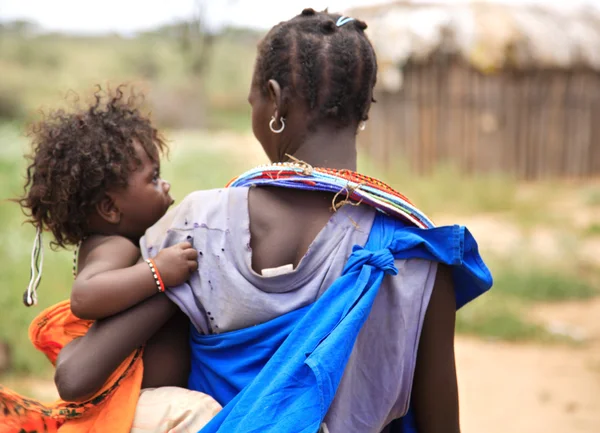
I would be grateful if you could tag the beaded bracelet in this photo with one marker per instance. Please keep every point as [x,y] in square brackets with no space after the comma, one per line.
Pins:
[157,279]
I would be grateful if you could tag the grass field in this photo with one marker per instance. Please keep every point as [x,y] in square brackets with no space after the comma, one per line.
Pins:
[37,72]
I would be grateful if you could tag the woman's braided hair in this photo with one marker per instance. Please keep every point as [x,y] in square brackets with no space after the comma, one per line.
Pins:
[332,68]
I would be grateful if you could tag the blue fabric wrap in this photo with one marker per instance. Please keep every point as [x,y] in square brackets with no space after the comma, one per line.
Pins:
[281,376]
[223,364]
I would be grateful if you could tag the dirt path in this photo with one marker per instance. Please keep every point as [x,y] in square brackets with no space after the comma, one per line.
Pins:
[527,389]
[518,388]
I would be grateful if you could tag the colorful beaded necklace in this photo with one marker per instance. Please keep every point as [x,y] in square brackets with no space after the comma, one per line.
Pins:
[352,186]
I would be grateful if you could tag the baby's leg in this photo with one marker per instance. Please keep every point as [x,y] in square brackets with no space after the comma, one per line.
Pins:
[173,409]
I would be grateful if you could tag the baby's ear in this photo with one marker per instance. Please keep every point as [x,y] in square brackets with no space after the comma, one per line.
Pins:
[107,210]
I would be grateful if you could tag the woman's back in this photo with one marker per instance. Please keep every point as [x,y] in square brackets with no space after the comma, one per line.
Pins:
[235,289]
[283,224]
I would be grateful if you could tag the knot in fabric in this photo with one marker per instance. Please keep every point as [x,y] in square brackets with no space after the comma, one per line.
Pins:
[382,259]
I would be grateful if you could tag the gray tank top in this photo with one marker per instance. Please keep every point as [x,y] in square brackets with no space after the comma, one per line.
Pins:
[227,294]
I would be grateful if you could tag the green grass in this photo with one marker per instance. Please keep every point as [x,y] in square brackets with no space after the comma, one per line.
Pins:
[543,285]
[194,163]
[592,230]
[238,120]
[593,196]
[37,72]
[502,313]
[495,316]
[446,190]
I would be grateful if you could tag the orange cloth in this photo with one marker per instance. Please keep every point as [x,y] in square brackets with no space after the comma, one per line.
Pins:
[111,409]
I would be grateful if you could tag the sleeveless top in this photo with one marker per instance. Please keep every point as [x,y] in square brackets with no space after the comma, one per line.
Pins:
[226,294]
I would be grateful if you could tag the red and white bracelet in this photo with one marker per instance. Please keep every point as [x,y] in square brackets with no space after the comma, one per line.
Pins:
[157,279]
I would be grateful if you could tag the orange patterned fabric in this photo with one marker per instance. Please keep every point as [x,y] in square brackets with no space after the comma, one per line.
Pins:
[111,409]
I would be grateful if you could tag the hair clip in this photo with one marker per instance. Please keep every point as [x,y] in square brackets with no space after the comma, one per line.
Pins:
[343,20]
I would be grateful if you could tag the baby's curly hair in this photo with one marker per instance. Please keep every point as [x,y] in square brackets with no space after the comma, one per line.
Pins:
[77,156]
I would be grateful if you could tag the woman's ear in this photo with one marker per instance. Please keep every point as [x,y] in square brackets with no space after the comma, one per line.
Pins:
[279,98]
[107,210]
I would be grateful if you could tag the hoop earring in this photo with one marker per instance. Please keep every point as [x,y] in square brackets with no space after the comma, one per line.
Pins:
[272,123]
[362,125]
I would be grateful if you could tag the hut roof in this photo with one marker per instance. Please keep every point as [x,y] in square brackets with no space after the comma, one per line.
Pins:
[489,36]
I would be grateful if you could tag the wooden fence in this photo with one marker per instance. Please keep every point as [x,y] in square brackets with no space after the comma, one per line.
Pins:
[534,124]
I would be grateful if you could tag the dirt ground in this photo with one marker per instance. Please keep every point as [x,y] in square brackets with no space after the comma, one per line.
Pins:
[529,388]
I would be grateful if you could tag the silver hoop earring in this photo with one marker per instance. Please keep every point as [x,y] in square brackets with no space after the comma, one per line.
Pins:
[362,125]
[272,123]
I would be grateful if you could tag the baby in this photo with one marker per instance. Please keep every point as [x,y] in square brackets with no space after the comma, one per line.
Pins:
[94,183]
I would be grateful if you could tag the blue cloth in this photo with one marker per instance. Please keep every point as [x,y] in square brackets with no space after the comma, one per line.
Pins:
[223,364]
[281,376]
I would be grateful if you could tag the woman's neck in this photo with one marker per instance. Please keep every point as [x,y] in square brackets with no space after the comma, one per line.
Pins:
[329,147]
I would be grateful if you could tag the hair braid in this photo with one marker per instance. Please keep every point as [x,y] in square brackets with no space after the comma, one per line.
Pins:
[331,69]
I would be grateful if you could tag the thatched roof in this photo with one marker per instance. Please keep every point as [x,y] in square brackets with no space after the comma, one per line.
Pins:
[489,36]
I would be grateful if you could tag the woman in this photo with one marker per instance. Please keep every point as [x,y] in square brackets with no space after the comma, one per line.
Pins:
[268,252]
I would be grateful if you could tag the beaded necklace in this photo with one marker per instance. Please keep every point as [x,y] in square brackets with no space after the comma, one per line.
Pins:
[76,258]
[353,186]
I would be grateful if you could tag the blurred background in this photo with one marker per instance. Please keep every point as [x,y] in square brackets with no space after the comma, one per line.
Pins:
[487,114]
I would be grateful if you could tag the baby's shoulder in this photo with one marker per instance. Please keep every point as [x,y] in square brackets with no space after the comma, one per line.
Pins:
[99,247]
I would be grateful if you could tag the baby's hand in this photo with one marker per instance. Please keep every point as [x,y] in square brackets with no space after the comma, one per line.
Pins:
[175,264]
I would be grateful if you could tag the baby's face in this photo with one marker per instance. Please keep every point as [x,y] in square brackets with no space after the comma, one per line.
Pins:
[145,199]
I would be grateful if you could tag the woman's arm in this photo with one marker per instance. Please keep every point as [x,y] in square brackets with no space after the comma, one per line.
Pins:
[84,365]
[435,390]
[110,281]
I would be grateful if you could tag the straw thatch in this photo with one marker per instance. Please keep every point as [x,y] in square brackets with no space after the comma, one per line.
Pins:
[489,36]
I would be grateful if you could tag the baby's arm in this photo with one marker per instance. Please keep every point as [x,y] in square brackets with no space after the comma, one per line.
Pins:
[110,281]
